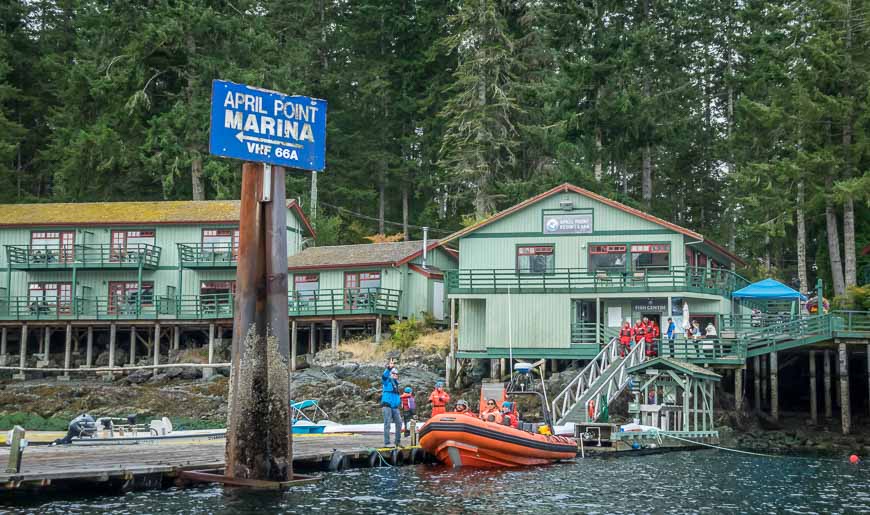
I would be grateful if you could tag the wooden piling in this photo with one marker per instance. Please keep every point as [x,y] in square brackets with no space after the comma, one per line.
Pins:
[176,338]
[294,338]
[493,369]
[113,337]
[22,353]
[258,444]
[89,348]
[774,386]
[207,372]
[46,348]
[765,370]
[67,353]
[13,465]
[738,389]
[132,345]
[3,341]
[156,346]
[845,409]
[814,396]
[334,335]
[378,329]
[756,376]
[311,339]
[827,383]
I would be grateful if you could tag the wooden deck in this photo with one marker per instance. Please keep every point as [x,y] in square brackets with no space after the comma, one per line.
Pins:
[150,465]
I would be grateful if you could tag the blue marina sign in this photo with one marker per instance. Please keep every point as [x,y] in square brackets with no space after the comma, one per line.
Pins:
[266,126]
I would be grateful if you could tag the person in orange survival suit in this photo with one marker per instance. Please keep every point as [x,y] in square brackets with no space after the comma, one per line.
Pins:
[509,416]
[639,331]
[491,413]
[462,408]
[625,336]
[439,399]
[652,334]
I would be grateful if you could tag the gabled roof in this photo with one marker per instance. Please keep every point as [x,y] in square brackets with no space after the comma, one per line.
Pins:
[356,256]
[566,188]
[130,213]
[675,364]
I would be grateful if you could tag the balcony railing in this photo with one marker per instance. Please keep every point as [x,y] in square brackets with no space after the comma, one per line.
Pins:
[81,308]
[581,280]
[704,350]
[587,332]
[382,301]
[212,305]
[53,257]
[207,255]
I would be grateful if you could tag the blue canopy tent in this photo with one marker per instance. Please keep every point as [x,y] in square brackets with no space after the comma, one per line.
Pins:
[768,289]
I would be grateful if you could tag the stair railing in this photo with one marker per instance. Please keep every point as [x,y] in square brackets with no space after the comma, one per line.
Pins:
[568,397]
[603,394]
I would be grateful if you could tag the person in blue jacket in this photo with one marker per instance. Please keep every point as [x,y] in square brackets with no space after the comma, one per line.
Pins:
[390,402]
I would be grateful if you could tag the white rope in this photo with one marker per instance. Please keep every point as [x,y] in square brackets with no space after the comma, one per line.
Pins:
[716,446]
[120,369]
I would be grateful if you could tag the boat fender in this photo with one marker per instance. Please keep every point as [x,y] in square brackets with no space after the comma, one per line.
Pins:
[415,456]
[374,459]
[338,462]
[395,457]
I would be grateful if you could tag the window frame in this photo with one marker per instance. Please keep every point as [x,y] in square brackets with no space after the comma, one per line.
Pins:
[62,300]
[118,253]
[656,247]
[518,246]
[126,290]
[233,235]
[65,249]
[625,254]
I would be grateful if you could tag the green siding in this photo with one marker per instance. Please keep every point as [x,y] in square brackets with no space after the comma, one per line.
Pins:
[415,296]
[472,325]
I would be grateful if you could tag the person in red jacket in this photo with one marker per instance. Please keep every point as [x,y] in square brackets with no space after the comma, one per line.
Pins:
[509,416]
[439,399]
[639,331]
[625,336]
[650,336]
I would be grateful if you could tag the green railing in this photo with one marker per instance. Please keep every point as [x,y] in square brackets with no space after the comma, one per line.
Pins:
[851,321]
[590,332]
[25,308]
[207,255]
[53,257]
[212,305]
[571,280]
[704,350]
[344,302]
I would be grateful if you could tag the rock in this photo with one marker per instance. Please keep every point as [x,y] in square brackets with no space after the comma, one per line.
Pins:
[191,373]
[121,357]
[139,376]
[329,357]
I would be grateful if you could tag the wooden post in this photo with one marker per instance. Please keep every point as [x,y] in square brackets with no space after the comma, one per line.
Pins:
[493,369]
[756,379]
[46,348]
[22,353]
[294,338]
[814,396]
[451,358]
[774,386]
[765,369]
[738,389]
[113,337]
[845,409]
[67,353]
[258,440]
[312,342]
[378,330]
[156,346]
[89,348]
[132,345]
[176,338]
[208,372]
[13,466]
[3,341]
[503,367]
[334,334]
[827,383]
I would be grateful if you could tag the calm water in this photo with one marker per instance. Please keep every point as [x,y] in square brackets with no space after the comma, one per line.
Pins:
[702,481]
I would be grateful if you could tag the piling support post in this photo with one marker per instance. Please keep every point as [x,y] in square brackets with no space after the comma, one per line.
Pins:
[113,338]
[765,369]
[294,338]
[176,338]
[774,386]
[22,354]
[3,341]
[46,348]
[756,377]
[493,369]
[258,441]
[451,357]
[67,353]
[208,371]
[738,389]
[132,345]
[845,410]
[334,335]
[814,396]
[378,329]
[13,465]
[827,383]
[156,346]
[89,348]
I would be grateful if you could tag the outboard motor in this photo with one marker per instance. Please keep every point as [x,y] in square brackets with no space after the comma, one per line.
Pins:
[83,425]
[521,380]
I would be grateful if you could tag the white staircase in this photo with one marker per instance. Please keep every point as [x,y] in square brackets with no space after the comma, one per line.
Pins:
[601,381]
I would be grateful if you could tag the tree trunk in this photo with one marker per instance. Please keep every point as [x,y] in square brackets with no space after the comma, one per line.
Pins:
[598,145]
[647,186]
[848,205]
[196,177]
[834,244]
[381,200]
[405,230]
[801,240]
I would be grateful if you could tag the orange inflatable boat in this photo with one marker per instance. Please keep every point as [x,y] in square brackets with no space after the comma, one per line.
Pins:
[465,441]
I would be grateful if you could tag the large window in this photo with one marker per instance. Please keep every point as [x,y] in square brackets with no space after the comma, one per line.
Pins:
[217,287]
[224,242]
[45,298]
[52,246]
[306,284]
[651,257]
[127,245]
[536,260]
[607,258]
[123,296]
[362,280]
[357,293]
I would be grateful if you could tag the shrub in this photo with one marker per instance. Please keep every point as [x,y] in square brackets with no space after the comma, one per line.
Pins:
[857,298]
[406,333]
[32,422]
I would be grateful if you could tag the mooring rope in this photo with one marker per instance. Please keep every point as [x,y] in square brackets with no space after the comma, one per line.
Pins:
[716,446]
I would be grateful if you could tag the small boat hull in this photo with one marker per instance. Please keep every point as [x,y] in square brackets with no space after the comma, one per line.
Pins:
[463,441]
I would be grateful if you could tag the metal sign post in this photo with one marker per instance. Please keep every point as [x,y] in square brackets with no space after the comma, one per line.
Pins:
[270,130]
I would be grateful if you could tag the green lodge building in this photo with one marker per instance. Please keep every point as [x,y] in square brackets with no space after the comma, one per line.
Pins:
[556,275]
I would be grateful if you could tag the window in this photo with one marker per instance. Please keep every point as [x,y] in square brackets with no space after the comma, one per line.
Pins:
[216,297]
[690,257]
[702,260]
[536,260]
[224,242]
[651,257]
[52,246]
[127,245]
[607,258]
[217,287]
[359,289]
[353,280]
[45,298]
[123,296]
[306,284]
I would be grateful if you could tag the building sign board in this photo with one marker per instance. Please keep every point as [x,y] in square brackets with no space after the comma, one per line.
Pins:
[265,126]
[650,305]
[568,223]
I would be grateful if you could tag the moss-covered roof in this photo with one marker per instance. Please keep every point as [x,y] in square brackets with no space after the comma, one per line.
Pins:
[675,364]
[125,213]
[346,256]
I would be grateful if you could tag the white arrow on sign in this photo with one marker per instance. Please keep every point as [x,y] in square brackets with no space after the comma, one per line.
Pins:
[242,137]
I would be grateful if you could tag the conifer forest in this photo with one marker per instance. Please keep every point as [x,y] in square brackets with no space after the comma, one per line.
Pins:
[747,121]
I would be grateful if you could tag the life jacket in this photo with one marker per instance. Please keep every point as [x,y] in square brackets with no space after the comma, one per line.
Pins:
[439,399]
[639,331]
[625,335]
[408,401]
[649,333]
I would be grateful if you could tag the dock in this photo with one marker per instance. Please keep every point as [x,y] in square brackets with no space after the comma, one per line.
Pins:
[144,466]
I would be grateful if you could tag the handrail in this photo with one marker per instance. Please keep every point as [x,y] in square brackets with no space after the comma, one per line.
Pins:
[66,256]
[565,400]
[208,254]
[616,381]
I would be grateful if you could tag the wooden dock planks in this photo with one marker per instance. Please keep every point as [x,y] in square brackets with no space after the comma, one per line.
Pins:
[42,465]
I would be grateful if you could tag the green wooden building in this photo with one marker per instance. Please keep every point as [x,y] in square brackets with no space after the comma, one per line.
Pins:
[556,275]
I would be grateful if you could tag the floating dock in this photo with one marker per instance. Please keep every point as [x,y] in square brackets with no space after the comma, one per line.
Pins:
[143,466]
